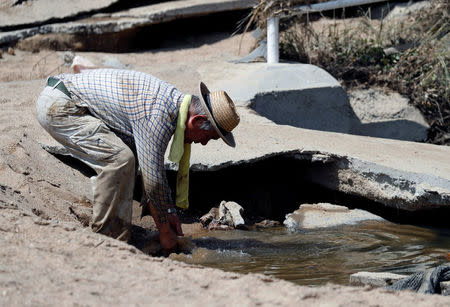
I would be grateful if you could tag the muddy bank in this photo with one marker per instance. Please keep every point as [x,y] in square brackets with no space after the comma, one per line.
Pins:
[43,240]
[78,267]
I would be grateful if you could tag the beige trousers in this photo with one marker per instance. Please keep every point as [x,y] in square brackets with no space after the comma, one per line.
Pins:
[91,141]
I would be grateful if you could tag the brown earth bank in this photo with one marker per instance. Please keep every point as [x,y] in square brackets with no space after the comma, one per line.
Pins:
[49,257]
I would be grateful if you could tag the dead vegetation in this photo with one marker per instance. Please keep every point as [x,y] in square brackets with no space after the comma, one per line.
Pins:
[408,54]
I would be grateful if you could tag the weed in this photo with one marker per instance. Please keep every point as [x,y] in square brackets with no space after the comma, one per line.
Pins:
[409,55]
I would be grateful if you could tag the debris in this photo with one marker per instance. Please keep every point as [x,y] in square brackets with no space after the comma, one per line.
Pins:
[226,217]
[11,51]
[230,214]
[267,224]
[311,216]
[68,58]
[206,219]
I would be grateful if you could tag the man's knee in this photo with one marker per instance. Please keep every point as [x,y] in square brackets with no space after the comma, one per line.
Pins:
[126,159]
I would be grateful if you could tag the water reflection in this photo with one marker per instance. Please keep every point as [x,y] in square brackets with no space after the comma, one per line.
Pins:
[315,257]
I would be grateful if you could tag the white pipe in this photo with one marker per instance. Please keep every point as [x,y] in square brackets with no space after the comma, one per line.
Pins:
[332,5]
[273,53]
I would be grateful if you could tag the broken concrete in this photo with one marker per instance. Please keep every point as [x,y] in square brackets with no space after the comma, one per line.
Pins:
[131,19]
[384,279]
[39,12]
[445,288]
[398,174]
[387,115]
[306,96]
[312,216]
[226,217]
[375,279]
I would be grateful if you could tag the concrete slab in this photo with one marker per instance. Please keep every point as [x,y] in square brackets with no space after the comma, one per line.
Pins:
[129,19]
[398,174]
[324,215]
[299,95]
[38,12]
[307,96]
[381,279]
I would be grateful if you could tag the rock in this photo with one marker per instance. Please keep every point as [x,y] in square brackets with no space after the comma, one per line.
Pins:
[68,58]
[387,115]
[391,51]
[374,279]
[311,216]
[206,219]
[113,62]
[267,224]
[445,288]
[404,9]
[11,51]
[232,214]
[215,225]
[226,216]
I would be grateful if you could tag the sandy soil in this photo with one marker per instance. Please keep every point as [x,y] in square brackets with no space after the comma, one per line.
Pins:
[49,257]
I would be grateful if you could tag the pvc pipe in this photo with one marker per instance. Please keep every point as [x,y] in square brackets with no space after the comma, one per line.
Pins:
[273,53]
[332,5]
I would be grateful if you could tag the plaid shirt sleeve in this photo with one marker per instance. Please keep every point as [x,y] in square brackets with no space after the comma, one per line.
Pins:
[152,135]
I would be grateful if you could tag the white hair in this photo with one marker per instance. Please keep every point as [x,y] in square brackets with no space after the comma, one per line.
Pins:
[197,108]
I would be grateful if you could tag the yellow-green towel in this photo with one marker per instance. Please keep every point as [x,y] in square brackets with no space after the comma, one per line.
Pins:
[181,153]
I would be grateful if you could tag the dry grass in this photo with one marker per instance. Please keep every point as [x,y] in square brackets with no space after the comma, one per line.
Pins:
[356,51]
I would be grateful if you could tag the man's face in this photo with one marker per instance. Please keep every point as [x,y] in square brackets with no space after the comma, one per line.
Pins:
[194,134]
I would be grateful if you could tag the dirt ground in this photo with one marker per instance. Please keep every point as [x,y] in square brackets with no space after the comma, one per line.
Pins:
[49,257]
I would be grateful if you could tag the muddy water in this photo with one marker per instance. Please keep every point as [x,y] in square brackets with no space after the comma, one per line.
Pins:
[315,257]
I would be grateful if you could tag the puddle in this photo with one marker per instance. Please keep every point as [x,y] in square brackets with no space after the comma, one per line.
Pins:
[316,257]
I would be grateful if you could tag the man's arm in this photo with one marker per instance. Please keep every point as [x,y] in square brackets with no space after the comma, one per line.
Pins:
[152,136]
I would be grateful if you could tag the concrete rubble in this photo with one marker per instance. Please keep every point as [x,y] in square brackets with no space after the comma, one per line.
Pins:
[375,279]
[312,216]
[225,217]
[383,279]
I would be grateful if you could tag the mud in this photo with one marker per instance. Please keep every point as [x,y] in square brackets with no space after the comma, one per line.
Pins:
[49,257]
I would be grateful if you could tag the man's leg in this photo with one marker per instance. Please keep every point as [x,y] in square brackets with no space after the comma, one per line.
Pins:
[91,141]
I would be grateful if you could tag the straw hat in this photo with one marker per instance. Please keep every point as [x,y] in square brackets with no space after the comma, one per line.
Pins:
[221,113]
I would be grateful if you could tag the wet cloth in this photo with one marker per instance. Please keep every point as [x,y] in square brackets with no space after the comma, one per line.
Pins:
[88,139]
[427,282]
[137,105]
[180,152]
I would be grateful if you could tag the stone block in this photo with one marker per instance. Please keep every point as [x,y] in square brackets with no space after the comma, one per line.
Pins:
[445,288]
[374,279]
[321,215]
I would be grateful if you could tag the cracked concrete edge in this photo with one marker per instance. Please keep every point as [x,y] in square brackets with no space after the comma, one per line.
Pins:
[393,188]
[390,187]
[36,13]
[121,21]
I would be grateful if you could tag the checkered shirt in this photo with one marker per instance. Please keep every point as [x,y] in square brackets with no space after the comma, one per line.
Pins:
[139,106]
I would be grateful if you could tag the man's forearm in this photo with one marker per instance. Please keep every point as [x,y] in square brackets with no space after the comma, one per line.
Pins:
[159,213]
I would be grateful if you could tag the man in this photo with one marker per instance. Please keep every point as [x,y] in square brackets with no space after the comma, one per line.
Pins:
[106,117]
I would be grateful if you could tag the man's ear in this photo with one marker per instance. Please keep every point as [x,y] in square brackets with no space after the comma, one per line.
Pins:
[198,119]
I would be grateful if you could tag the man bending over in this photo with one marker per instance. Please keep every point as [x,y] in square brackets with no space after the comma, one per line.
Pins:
[107,118]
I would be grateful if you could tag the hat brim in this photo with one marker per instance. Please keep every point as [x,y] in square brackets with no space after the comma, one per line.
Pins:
[227,137]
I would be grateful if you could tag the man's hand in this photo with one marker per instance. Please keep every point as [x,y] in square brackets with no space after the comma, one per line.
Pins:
[174,222]
[167,238]
[167,231]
